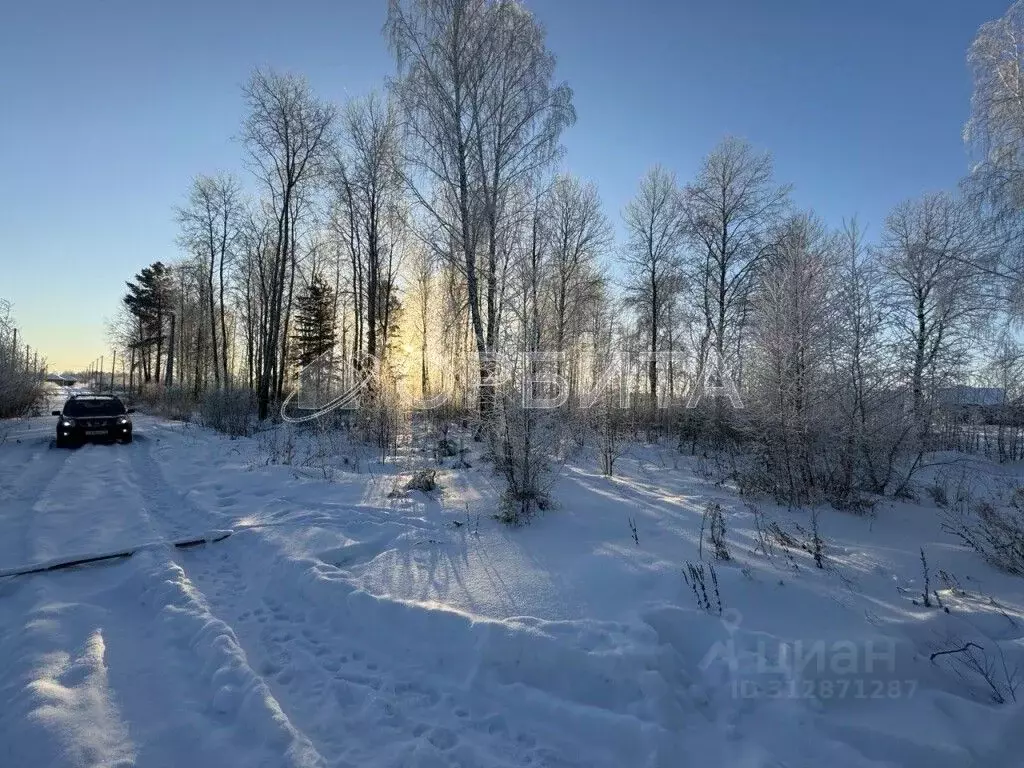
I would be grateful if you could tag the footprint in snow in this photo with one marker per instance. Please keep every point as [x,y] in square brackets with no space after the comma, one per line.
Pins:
[442,738]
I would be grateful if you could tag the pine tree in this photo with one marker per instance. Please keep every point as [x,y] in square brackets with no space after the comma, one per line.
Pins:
[150,301]
[314,321]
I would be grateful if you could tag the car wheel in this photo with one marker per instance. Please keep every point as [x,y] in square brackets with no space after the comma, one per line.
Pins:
[61,443]
[126,440]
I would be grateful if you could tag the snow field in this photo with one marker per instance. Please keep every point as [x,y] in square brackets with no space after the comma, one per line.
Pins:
[338,626]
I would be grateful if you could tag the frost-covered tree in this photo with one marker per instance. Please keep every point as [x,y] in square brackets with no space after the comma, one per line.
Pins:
[928,254]
[995,138]
[732,209]
[794,316]
[370,217]
[20,382]
[655,228]
[483,116]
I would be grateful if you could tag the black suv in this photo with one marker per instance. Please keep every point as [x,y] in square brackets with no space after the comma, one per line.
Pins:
[93,417]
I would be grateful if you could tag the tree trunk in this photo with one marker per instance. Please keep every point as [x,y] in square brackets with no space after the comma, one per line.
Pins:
[170,355]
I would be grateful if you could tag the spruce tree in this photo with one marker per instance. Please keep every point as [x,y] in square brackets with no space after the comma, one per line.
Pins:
[314,321]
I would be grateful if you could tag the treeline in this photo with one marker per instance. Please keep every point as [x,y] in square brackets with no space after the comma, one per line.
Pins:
[21,369]
[424,233]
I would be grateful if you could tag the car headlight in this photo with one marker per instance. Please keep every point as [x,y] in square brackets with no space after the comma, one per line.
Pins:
[67,422]
[123,421]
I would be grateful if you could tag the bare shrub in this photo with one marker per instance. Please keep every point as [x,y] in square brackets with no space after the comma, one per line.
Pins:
[20,392]
[277,445]
[696,576]
[229,411]
[926,589]
[764,540]
[817,542]
[782,537]
[446,448]
[382,420]
[813,543]
[714,521]
[971,662]
[450,448]
[610,424]
[21,389]
[175,402]
[939,494]
[423,480]
[995,534]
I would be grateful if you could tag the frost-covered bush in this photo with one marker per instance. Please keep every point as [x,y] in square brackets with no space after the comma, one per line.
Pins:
[20,389]
[277,445]
[523,441]
[381,419]
[229,411]
[19,392]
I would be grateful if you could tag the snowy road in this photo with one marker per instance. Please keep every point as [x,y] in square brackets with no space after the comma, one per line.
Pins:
[120,663]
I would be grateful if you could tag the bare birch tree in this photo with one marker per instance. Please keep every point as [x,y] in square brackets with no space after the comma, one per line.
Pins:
[655,228]
[482,116]
[371,211]
[927,251]
[210,228]
[794,319]
[287,134]
[580,235]
[732,209]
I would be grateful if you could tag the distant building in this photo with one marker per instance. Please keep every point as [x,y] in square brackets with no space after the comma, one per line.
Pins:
[979,405]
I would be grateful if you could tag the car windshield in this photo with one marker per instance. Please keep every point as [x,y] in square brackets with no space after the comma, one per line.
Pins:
[107,406]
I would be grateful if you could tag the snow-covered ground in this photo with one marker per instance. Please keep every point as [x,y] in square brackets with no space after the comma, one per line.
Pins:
[343,624]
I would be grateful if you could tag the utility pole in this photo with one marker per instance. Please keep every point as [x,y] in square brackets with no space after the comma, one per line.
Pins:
[113,369]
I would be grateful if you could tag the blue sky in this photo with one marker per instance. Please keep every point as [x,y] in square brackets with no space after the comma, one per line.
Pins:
[108,109]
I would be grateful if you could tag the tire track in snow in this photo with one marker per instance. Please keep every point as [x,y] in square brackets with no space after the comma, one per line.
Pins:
[23,487]
[272,645]
[357,703]
[167,506]
[230,717]
[170,508]
[199,704]
[23,483]
[94,504]
[124,665]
